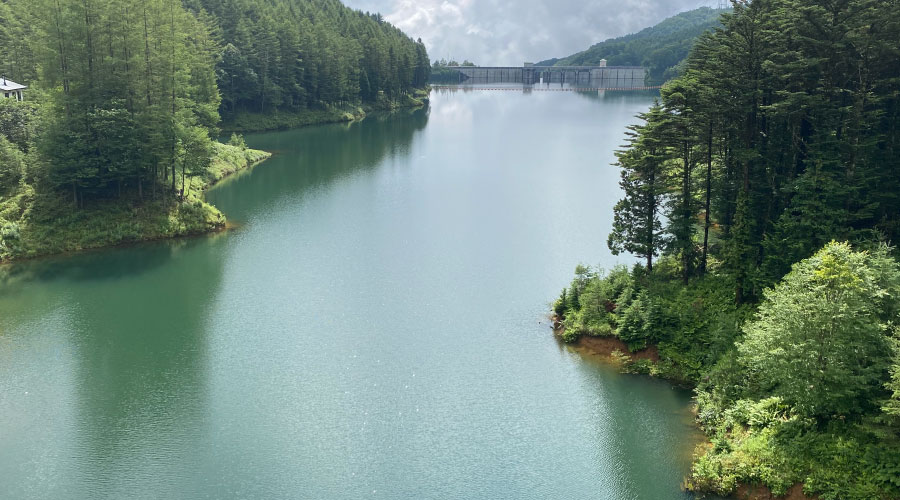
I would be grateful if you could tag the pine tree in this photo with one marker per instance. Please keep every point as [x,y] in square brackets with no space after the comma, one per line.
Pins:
[636,224]
[680,131]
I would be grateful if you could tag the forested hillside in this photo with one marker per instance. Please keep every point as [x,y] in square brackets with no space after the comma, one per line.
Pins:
[296,54]
[125,97]
[660,48]
[778,142]
[269,55]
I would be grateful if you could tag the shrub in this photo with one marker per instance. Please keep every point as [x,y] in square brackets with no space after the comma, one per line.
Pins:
[570,335]
[12,166]
[820,340]
[237,140]
[561,304]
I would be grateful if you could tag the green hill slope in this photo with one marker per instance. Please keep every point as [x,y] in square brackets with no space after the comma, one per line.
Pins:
[660,48]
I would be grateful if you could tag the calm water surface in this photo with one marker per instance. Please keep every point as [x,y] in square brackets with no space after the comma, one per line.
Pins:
[375,328]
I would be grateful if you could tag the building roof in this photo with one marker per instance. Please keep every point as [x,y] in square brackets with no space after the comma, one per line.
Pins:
[7,85]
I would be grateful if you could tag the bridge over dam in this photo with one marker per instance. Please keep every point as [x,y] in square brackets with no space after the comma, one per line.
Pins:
[613,77]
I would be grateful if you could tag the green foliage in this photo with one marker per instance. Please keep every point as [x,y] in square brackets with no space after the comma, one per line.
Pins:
[226,160]
[124,96]
[770,144]
[130,89]
[798,401]
[754,373]
[692,326]
[279,120]
[779,137]
[586,307]
[636,223]
[570,335]
[820,340]
[776,140]
[756,443]
[636,322]
[747,458]
[18,61]
[124,86]
[561,304]
[661,48]
[892,404]
[289,56]
[12,166]
[34,224]
[237,140]
[18,122]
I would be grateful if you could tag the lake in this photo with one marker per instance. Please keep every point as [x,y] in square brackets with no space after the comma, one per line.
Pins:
[374,327]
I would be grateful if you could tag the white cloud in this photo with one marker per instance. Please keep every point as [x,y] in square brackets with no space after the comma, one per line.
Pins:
[508,32]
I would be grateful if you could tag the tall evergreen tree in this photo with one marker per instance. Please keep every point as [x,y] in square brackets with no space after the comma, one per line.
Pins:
[680,129]
[126,77]
[791,107]
[636,223]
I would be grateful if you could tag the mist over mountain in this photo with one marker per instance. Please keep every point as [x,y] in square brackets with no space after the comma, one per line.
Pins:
[507,32]
[661,48]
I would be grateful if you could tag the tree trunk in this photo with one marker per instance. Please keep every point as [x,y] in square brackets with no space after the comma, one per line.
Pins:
[89,42]
[686,195]
[651,218]
[63,60]
[174,137]
[125,56]
[147,62]
[706,222]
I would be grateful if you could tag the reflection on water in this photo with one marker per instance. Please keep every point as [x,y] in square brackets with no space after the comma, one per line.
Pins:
[375,328]
[101,355]
[323,154]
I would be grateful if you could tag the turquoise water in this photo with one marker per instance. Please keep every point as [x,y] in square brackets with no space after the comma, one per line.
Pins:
[376,327]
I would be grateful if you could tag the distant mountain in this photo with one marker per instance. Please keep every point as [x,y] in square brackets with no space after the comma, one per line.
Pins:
[660,49]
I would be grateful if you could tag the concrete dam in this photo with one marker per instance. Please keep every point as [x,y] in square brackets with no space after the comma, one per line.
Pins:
[615,77]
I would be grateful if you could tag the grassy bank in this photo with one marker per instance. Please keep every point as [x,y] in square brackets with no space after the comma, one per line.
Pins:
[762,441]
[282,120]
[35,222]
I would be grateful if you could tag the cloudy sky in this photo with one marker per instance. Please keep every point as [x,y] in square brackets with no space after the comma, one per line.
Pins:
[509,32]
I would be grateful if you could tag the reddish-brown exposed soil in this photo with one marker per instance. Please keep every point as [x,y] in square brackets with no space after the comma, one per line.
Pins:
[605,346]
[747,492]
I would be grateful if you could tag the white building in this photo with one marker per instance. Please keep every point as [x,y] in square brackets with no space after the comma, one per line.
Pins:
[10,89]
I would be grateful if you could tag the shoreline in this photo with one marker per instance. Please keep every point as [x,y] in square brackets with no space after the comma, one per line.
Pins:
[611,348]
[607,347]
[43,223]
[247,122]
[613,351]
[145,221]
[6,264]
